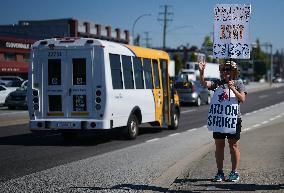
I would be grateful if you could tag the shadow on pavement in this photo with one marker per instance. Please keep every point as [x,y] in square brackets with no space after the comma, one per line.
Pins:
[244,187]
[225,186]
[84,139]
[129,187]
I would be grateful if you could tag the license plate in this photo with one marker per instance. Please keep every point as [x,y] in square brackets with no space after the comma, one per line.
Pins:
[64,125]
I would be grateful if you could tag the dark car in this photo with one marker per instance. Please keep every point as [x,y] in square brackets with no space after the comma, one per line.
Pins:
[17,98]
[193,92]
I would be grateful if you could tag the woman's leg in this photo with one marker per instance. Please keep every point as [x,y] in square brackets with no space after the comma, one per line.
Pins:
[219,153]
[235,153]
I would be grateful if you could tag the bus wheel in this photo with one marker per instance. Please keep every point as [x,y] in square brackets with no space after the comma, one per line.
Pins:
[174,120]
[132,128]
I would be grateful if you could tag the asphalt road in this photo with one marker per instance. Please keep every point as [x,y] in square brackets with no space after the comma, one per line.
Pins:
[22,152]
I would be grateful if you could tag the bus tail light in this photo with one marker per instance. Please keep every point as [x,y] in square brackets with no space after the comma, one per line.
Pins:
[98,99]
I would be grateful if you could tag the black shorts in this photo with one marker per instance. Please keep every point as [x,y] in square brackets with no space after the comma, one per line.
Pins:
[237,135]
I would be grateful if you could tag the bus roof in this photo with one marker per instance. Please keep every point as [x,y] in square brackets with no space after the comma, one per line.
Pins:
[78,42]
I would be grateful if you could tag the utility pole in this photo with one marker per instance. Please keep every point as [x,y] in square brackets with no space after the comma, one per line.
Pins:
[165,21]
[147,40]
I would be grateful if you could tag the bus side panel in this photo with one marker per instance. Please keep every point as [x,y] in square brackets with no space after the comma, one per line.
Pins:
[120,102]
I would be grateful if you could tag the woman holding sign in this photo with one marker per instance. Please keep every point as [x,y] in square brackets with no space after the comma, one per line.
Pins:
[224,117]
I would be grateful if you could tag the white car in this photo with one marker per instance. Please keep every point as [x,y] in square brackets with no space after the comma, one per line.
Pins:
[4,92]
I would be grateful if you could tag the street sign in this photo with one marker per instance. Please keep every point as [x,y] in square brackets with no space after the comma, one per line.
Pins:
[231,31]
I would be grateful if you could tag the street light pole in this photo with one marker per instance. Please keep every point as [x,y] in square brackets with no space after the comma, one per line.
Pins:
[133,26]
[271,64]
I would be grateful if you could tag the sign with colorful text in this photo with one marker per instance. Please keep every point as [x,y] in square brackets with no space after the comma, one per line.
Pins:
[223,111]
[231,31]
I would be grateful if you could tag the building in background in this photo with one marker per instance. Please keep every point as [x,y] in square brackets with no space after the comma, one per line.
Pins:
[14,56]
[16,39]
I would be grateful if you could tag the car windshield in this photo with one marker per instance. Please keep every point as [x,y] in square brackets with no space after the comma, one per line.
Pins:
[14,84]
[183,85]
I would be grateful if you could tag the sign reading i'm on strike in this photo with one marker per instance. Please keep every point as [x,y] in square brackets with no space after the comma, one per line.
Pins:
[223,111]
[231,31]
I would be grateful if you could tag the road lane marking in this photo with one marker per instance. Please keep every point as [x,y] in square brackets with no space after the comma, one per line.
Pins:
[189,130]
[188,111]
[263,96]
[264,122]
[247,129]
[256,125]
[14,113]
[152,140]
[174,134]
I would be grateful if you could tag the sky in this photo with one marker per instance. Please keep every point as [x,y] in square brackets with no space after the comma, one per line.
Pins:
[192,20]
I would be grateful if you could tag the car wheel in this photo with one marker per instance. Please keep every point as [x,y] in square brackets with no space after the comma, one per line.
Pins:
[208,100]
[198,101]
[132,128]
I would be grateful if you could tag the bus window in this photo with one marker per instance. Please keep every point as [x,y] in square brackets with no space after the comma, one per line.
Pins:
[116,71]
[54,103]
[138,73]
[156,74]
[148,73]
[127,72]
[54,72]
[79,71]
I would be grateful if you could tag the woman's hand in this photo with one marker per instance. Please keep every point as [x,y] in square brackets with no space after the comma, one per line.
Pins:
[231,84]
[201,66]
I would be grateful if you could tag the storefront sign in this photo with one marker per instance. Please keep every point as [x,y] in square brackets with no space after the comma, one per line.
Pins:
[231,31]
[17,45]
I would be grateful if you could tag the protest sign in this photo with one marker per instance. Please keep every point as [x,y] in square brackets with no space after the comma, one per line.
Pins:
[223,111]
[231,31]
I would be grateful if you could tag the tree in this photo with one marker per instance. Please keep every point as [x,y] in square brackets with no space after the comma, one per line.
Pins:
[207,42]
[178,63]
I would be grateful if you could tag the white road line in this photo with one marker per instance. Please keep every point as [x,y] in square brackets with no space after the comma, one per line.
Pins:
[264,122]
[174,134]
[272,119]
[278,116]
[151,140]
[256,125]
[188,111]
[13,113]
[263,96]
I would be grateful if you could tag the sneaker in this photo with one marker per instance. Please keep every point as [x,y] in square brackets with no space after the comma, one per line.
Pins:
[219,177]
[233,176]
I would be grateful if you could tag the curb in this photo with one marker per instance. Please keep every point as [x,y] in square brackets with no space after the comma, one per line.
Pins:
[170,175]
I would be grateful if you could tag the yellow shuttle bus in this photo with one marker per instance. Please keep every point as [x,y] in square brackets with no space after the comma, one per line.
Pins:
[81,84]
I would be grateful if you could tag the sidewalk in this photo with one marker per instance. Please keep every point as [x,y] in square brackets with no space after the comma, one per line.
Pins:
[261,167]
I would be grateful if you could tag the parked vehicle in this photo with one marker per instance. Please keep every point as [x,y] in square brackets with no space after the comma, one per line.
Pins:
[14,84]
[4,92]
[4,80]
[193,92]
[18,98]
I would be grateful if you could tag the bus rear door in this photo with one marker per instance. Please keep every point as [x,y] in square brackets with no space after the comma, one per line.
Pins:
[67,83]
